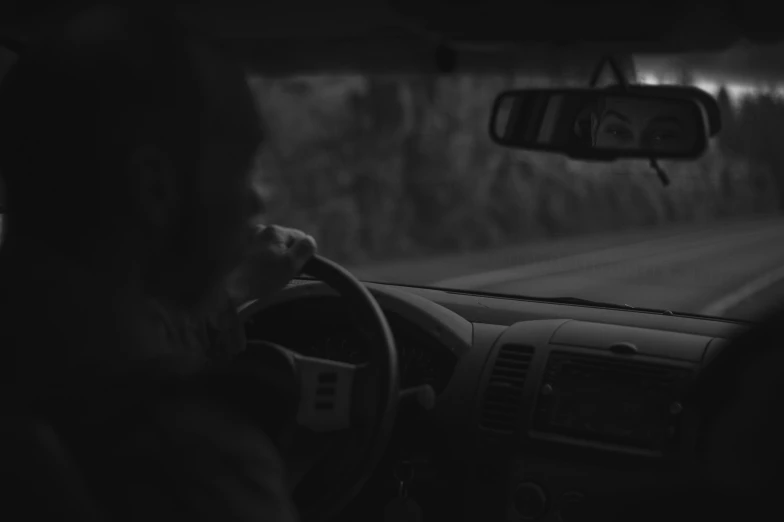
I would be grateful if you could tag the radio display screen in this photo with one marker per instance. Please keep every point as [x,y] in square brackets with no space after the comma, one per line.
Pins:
[632,405]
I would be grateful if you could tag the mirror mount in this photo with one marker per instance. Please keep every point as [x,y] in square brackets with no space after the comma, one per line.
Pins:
[623,82]
[663,177]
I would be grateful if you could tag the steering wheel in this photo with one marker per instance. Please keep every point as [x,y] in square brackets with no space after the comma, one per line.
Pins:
[344,412]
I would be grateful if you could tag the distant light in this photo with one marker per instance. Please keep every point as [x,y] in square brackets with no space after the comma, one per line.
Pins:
[648,79]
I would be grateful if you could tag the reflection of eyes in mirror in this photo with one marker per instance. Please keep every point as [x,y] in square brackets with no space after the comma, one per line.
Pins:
[639,124]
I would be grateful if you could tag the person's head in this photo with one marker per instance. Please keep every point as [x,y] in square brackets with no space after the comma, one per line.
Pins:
[621,122]
[123,135]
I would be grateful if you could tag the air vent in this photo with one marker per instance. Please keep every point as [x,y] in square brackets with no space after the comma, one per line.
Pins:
[503,395]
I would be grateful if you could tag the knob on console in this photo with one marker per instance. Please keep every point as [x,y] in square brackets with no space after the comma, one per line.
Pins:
[530,501]
[570,507]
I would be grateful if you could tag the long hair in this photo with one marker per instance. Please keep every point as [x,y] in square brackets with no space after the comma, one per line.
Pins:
[73,106]
[588,119]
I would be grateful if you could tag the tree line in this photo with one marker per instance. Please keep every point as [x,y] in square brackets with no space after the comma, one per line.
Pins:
[386,167]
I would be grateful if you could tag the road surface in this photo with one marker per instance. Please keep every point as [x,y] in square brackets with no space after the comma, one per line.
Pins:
[731,269]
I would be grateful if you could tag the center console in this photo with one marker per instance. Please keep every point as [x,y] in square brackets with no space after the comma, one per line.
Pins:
[586,398]
[570,410]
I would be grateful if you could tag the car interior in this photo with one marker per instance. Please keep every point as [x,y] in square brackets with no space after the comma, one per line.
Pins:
[480,406]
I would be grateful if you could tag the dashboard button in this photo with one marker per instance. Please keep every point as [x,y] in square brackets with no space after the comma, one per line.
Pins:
[530,501]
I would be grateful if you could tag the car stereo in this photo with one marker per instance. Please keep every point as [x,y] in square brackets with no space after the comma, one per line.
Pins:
[613,401]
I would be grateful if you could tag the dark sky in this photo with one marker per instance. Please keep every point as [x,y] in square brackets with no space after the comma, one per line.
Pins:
[7,58]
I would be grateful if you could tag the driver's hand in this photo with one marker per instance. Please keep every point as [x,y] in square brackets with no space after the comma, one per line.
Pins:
[276,256]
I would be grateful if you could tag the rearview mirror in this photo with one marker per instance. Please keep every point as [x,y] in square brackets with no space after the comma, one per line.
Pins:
[642,122]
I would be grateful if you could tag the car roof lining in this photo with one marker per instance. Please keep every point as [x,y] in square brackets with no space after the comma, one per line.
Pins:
[470,35]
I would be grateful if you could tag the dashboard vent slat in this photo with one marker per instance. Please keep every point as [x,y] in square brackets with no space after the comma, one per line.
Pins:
[503,394]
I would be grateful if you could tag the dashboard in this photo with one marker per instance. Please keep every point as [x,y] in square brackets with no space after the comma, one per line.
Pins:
[330,333]
[540,407]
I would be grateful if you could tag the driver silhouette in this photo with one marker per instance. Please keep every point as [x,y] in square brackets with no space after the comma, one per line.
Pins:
[128,243]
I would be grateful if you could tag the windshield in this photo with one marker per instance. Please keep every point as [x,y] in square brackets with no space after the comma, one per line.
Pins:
[397,178]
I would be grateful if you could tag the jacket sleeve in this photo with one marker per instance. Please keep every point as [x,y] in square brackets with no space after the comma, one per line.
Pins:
[159,446]
[218,336]
[219,466]
[225,333]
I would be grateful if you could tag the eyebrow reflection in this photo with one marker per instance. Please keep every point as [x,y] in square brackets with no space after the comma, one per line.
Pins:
[611,112]
[667,119]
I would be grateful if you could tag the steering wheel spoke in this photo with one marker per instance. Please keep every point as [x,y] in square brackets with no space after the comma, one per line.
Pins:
[328,468]
[326,391]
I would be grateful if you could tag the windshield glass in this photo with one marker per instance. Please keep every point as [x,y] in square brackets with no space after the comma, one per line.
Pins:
[397,178]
